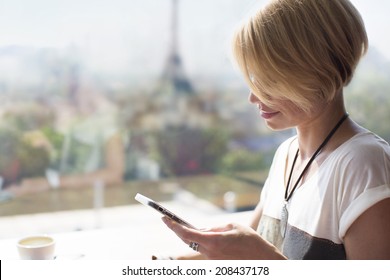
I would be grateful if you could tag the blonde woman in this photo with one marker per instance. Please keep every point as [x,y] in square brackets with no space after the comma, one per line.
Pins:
[327,195]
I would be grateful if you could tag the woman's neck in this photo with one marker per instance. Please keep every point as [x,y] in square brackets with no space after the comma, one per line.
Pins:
[314,131]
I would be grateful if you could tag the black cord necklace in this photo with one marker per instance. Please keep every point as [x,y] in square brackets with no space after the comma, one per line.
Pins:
[287,196]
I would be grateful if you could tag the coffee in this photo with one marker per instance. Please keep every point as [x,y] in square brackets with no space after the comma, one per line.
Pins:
[36,248]
[36,241]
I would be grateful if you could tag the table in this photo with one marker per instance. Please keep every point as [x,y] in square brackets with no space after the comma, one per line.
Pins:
[141,236]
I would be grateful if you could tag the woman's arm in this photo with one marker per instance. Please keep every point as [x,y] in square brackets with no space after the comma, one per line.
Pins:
[369,236]
[256,216]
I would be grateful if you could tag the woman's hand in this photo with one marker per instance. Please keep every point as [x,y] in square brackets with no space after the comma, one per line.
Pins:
[231,241]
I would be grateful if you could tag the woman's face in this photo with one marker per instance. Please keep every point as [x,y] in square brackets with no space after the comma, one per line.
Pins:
[283,114]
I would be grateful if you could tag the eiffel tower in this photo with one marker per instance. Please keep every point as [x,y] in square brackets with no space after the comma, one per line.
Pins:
[173,80]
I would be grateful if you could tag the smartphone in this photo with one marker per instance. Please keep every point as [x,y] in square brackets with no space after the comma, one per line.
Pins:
[149,202]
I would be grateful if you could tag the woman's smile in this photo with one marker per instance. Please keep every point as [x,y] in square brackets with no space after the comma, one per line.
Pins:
[267,115]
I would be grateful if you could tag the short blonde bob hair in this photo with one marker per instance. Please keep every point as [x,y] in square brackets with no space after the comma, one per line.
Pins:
[300,50]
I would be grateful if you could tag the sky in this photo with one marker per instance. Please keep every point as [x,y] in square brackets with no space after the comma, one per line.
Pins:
[118,35]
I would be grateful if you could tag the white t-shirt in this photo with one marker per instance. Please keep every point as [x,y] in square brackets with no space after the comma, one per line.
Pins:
[352,178]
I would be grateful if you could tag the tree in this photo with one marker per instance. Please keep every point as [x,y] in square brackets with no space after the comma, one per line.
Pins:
[189,151]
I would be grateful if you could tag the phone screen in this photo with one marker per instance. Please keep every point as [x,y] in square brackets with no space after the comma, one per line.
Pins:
[149,202]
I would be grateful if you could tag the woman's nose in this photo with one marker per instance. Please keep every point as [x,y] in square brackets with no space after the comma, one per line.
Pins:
[253,98]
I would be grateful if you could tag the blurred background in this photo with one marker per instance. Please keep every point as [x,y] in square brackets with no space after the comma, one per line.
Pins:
[102,99]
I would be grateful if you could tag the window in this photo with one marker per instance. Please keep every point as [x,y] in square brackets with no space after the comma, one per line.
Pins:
[104,99]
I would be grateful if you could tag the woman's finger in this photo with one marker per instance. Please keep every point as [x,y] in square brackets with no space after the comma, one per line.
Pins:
[180,230]
[188,235]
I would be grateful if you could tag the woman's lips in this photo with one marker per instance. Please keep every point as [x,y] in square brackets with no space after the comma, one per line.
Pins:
[268,115]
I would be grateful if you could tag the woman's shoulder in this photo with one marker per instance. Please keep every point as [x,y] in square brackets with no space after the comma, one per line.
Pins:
[365,143]
[364,149]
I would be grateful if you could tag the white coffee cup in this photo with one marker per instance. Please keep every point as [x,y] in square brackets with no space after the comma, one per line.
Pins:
[37,247]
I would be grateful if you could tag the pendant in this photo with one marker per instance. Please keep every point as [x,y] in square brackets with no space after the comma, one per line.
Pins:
[283,220]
